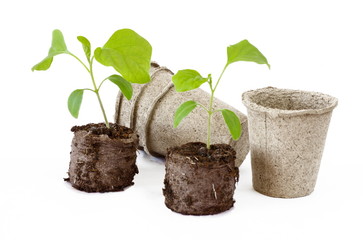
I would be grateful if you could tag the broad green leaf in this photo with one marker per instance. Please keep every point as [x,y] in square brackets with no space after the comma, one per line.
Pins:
[187,79]
[58,44]
[74,102]
[86,46]
[129,54]
[233,123]
[124,86]
[43,65]
[245,51]
[183,110]
[58,47]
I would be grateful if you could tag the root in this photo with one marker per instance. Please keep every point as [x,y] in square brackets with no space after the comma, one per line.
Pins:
[214,191]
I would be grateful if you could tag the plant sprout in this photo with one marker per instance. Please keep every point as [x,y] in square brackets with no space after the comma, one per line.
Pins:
[188,79]
[126,51]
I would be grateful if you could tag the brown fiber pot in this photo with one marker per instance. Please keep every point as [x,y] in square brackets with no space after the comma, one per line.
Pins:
[200,182]
[102,160]
[288,129]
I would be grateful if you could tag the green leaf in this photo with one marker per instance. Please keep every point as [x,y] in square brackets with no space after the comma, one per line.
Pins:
[233,123]
[58,44]
[58,47]
[86,46]
[43,65]
[183,110]
[187,79]
[124,86]
[245,51]
[129,54]
[74,102]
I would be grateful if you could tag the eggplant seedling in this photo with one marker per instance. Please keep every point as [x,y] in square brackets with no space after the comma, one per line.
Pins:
[126,51]
[188,79]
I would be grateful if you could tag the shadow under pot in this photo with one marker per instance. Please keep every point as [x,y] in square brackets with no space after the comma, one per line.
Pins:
[200,181]
[288,129]
[102,159]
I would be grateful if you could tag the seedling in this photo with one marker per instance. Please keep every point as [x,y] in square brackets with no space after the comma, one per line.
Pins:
[126,51]
[188,79]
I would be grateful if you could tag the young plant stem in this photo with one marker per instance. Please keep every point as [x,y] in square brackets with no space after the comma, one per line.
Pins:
[97,93]
[210,112]
[210,109]
[96,90]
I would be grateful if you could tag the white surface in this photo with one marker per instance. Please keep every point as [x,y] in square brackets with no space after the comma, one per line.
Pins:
[311,45]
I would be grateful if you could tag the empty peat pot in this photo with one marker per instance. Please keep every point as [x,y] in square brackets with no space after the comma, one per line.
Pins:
[200,181]
[102,159]
[287,134]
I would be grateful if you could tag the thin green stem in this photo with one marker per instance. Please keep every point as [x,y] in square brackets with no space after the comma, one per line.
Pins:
[88,89]
[98,95]
[90,71]
[209,130]
[210,112]
[211,100]
[79,60]
[206,109]
[99,86]
[220,76]
[218,110]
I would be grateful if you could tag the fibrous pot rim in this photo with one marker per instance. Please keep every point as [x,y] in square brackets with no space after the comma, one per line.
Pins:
[287,102]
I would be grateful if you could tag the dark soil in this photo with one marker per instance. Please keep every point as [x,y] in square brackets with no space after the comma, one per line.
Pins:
[200,181]
[102,159]
[115,130]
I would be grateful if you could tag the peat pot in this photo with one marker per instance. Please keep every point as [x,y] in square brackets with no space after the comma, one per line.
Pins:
[200,181]
[102,159]
[287,134]
[150,114]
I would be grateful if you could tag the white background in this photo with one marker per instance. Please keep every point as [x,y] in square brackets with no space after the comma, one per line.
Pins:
[311,45]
